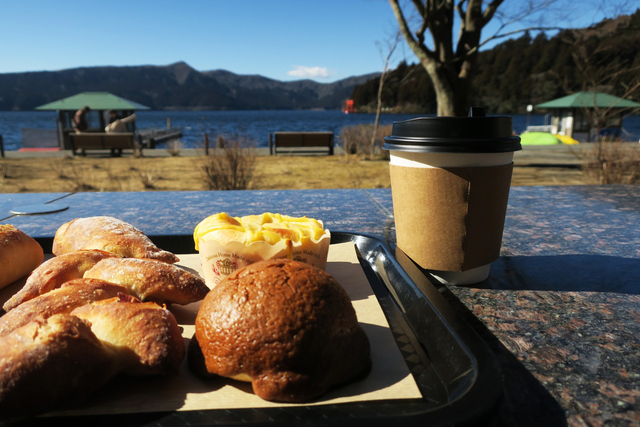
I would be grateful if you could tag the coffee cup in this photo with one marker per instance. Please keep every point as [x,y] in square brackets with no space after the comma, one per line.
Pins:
[450,180]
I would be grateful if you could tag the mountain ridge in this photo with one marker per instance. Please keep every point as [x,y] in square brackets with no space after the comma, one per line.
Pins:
[176,86]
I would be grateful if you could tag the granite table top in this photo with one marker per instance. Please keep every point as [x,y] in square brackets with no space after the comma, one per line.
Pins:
[561,308]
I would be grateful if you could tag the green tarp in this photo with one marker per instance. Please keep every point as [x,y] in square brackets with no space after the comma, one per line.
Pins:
[95,101]
[538,138]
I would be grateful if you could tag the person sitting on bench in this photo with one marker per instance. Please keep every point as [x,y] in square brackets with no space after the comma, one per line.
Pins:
[118,126]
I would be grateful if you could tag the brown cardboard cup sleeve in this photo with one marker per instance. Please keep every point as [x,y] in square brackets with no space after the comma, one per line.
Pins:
[450,219]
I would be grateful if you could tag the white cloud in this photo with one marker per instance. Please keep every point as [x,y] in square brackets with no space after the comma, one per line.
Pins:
[309,72]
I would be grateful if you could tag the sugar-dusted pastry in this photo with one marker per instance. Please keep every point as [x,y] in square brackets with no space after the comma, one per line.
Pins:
[228,243]
[285,326]
[20,254]
[72,294]
[54,272]
[151,280]
[107,234]
[48,363]
[146,336]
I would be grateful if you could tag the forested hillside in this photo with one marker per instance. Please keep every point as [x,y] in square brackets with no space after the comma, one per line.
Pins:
[524,71]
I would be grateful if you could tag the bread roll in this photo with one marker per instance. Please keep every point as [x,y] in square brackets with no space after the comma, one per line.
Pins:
[54,272]
[48,363]
[286,326]
[107,234]
[151,280]
[19,254]
[72,294]
[146,337]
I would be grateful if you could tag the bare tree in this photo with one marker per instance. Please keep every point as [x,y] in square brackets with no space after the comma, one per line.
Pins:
[602,75]
[391,47]
[451,63]
[608,161]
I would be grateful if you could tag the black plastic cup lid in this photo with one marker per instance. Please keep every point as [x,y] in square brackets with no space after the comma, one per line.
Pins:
[473,134]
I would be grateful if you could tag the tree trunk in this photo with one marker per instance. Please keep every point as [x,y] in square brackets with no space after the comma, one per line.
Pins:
[444,83]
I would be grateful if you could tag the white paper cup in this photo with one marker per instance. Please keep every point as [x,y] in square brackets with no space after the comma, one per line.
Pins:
[453,160]
[480,148]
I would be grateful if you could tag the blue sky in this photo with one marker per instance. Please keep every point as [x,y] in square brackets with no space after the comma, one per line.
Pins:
[325,40]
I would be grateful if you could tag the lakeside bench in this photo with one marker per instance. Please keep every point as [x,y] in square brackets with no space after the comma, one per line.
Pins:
[301,142]
[102,141]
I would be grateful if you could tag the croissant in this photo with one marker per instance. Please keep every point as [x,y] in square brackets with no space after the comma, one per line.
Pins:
[48,363]
[54,272]
[146,335]
[150,280]
[72,294]
[107,234]
[58,361]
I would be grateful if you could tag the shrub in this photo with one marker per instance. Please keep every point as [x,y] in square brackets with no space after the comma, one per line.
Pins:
[82,178]
[610,162]
[231,167]
[175,146]
[148,178]
[59,166]
[356,140]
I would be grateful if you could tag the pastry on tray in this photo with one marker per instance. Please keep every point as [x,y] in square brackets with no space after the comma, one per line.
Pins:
[54,272]
[71,295]
[108,234]
[59,361]
[20,254]
[229,243]
[48,363]
[287,327]
[149,332]
[151,280]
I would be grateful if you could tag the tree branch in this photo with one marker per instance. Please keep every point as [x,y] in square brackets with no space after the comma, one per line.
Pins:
[420,49]
[419,7]
[490,10]
[510,33]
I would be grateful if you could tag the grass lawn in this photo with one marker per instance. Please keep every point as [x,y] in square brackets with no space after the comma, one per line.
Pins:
[47,175]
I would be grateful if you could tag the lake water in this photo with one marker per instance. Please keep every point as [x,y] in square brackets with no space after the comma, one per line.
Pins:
[256,125]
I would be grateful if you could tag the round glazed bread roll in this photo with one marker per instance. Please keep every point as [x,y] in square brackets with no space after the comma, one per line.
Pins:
[19,254]
[284,325]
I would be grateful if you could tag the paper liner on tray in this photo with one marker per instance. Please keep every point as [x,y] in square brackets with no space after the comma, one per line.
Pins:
[220,260]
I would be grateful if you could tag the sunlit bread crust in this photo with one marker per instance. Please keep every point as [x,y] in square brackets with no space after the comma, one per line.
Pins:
[146,337]
[49,363]
[151,280]
[288,327]
[54,272]
[108,234]
[71,295]
[20,254]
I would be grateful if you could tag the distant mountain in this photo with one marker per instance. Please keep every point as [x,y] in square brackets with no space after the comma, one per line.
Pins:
[174,87]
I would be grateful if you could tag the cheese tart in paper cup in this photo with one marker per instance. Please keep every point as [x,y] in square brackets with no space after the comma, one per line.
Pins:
[227,243]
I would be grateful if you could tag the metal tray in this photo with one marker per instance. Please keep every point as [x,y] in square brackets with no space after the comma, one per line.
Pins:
[458,375]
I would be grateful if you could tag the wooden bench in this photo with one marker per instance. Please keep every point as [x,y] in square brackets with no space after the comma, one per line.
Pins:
[301,142]
[102,141]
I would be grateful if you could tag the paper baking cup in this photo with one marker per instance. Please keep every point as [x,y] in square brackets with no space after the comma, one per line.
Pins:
[220,260]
